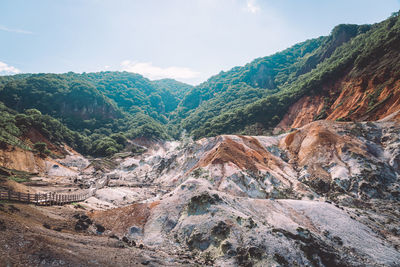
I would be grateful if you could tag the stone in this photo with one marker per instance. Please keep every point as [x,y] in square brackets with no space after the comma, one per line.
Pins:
[129,241]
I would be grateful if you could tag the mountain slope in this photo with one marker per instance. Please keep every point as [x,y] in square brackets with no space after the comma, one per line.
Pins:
[134,93]
[373,48]
[260,78]
[369,91]
[352,74]
[100,106]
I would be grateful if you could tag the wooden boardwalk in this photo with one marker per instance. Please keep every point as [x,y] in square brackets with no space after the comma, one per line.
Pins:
[46,199]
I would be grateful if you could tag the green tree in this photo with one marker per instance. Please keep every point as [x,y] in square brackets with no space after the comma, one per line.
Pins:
[41,148]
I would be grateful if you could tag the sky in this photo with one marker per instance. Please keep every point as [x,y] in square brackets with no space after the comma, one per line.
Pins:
[187,40]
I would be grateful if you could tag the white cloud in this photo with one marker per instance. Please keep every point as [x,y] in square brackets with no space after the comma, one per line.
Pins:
[252,6]
[6,29]
[6,69]
[150,71]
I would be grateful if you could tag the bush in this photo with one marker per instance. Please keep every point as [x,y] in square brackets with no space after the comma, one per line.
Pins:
[41,148]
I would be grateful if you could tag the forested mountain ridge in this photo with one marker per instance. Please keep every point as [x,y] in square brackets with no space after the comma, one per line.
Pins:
[101,110]
[373,48]
[349,75]
[70,99]
[260,78]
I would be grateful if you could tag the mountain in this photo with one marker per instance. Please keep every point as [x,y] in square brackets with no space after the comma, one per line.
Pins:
[348,75]
[177,88]
[350,57]
[70,99]
[96,105]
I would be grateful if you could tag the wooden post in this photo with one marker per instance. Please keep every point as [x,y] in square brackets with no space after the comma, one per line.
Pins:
[29,198]
[36,198]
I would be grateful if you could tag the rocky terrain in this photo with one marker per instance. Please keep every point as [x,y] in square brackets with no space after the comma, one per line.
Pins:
[325,194]
[292,159]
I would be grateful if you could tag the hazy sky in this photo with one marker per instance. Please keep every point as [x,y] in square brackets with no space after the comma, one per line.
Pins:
[188,40]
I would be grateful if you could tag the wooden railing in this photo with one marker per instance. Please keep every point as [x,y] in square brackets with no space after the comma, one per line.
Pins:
[42,198]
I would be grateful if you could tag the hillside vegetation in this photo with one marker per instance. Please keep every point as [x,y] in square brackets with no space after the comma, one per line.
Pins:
[94,113]
[97,112]
[335,58]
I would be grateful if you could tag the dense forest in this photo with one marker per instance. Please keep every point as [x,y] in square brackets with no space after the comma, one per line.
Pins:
[96,113]
[287,76]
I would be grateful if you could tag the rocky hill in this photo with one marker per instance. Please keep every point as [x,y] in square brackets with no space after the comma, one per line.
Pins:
[307,197]
[326,194]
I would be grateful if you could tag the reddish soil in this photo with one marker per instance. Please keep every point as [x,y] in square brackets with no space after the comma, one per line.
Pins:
[351,99]
[18,159]
[253,158]
[121,219]
[33,136]
[317,143]
[301,113]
